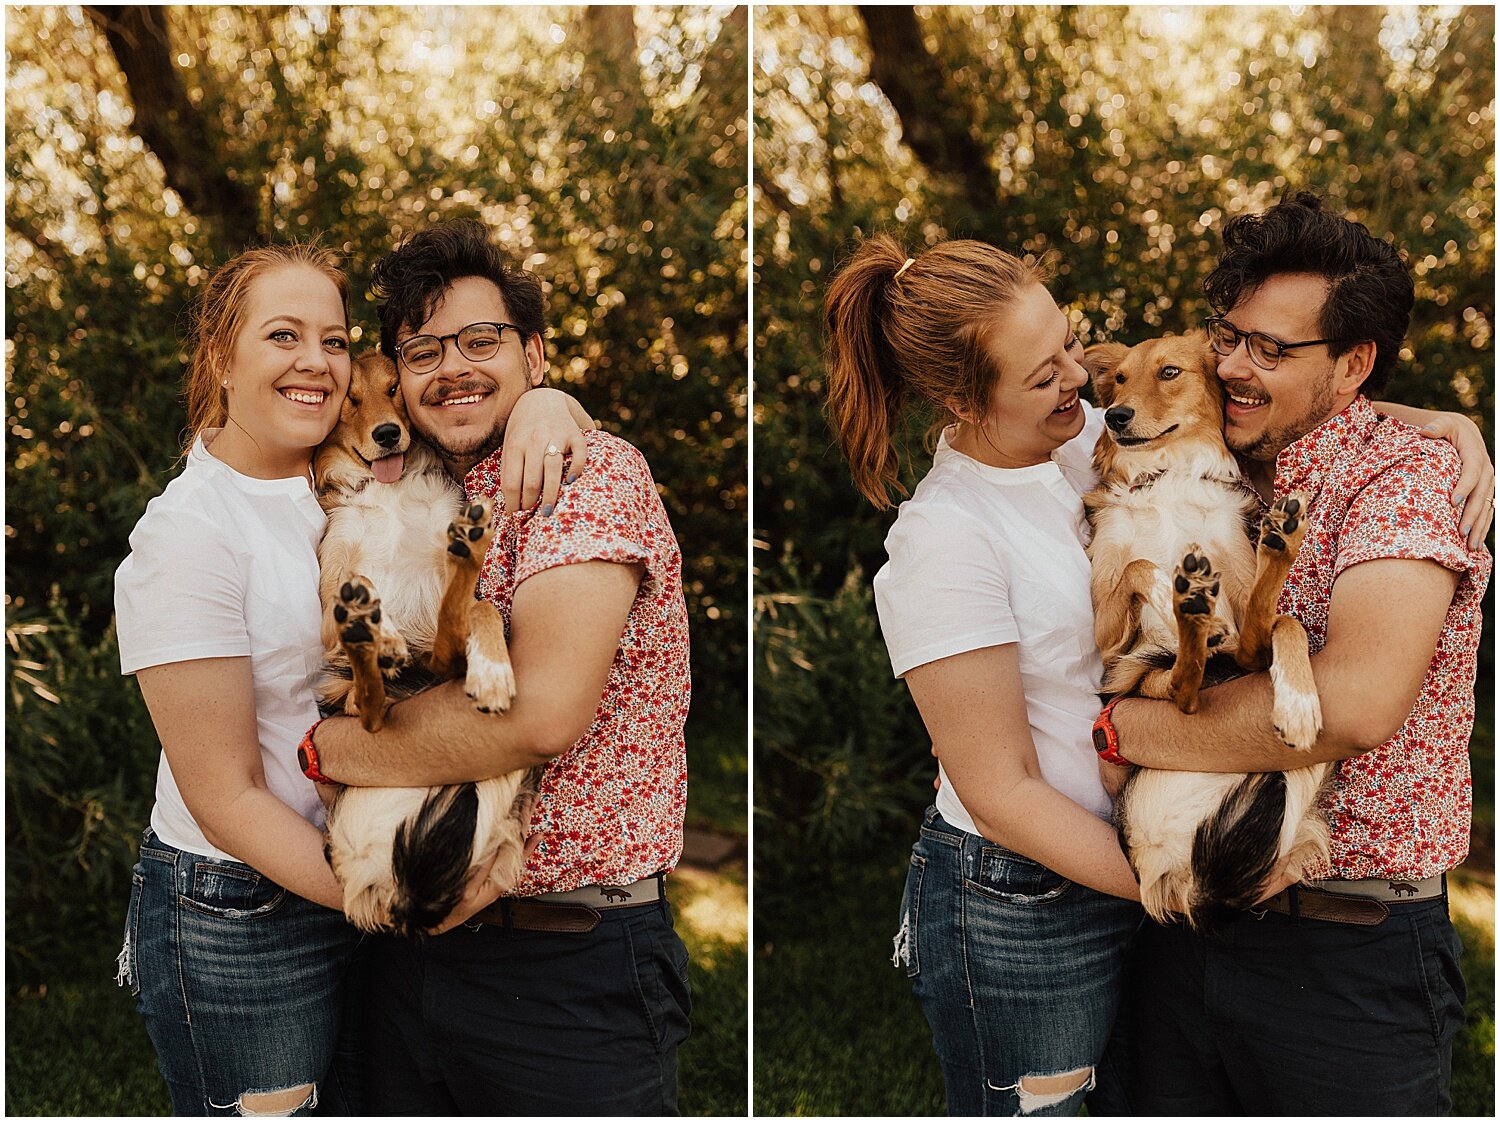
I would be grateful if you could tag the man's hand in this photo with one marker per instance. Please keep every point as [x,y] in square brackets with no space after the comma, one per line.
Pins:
[480,893]
[1278,879]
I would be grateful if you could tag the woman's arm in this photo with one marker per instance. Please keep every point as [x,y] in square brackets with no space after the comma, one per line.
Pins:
[204,714]
[975,713]
[1475,490]
[542,418]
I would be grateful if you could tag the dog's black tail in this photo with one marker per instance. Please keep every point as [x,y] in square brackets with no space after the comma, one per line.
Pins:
[1235,850]
[431,858]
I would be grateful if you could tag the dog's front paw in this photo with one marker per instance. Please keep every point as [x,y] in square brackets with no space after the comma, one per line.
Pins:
[469,533]
[1195,585]
[1296,713]
[1281,528]
[362,627]
[490,682]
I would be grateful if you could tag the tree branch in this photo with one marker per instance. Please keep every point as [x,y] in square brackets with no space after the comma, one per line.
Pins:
[934,121]
[173,128]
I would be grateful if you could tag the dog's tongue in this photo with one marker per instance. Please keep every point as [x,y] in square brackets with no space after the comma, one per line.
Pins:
[387,469]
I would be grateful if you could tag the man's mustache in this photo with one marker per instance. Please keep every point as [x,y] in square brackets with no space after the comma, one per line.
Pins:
[439,394]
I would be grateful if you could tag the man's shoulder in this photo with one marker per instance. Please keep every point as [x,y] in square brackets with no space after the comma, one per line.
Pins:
[1397,453]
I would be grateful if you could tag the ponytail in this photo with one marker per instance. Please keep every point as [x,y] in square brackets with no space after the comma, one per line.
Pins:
[903,330]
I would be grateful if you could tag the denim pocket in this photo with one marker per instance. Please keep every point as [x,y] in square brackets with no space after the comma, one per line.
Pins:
[128,970]
[230,890]
[1006,875]
[904,945]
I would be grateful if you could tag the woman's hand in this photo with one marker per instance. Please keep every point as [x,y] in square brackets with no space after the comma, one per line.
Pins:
[542,419]
[480,892]
[1475,491]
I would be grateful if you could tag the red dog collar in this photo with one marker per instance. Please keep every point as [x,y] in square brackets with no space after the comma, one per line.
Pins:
[307,757]
[1106,739]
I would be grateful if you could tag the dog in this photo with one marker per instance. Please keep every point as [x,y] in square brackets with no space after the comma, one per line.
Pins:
[398,563]
[1182,596]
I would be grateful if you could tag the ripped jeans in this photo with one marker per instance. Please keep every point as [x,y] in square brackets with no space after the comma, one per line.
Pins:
[242,985]
[1019,972]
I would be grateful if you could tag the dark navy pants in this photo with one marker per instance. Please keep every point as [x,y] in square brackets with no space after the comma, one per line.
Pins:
[493,1022]
[1296,1017]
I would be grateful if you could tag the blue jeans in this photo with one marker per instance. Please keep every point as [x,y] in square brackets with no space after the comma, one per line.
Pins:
[241,984]
[1019,972]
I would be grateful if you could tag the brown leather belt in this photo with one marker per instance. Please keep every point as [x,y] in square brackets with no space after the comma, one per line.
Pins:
[1303,902]
[567,911]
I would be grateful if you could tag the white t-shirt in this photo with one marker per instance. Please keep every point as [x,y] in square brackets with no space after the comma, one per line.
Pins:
[223,565]
[982,556]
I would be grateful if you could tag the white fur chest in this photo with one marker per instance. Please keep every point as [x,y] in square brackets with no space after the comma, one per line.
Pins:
[396,536]
[1158,520]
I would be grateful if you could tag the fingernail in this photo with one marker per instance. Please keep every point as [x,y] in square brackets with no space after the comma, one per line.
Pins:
[546,510]
[573,477]
[1456,499]
[1464,530]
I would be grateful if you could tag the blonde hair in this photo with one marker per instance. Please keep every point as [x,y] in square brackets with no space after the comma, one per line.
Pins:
[903,330]
[217,316]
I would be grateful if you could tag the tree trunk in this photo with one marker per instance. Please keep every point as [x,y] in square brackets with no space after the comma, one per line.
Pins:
[609,31]
[934,120]
[172,127]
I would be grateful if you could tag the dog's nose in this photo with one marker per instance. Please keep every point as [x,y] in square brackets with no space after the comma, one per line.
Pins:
[1118,416]
[387,434]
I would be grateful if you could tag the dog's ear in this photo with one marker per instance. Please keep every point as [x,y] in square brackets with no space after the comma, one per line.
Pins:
[1101,361]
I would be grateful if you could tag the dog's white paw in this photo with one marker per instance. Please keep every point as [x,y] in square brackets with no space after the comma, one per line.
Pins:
[490,683]
[1297,714]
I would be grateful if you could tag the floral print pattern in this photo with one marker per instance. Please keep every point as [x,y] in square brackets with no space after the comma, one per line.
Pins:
[1380,490]
[610,809]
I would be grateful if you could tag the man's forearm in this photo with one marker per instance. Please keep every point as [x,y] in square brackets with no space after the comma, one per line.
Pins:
[1232,731]
[436,738]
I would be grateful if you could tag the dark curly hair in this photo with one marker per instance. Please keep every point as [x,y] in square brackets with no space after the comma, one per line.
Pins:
[413,276]
[1369,288]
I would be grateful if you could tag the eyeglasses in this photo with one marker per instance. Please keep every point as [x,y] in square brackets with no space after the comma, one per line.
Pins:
[1263,350]
[423,354]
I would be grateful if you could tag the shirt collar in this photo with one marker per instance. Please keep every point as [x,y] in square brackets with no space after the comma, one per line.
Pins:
[1314,457]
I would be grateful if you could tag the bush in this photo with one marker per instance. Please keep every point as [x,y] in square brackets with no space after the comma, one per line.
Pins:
[845,759]
[80,771]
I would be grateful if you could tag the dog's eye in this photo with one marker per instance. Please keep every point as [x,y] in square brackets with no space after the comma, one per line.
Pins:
[1119,379]
[353,401]
[1169,372]
[392,391]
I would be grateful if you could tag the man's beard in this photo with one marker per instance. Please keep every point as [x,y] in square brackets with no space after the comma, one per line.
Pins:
[460,448]
[1270,443]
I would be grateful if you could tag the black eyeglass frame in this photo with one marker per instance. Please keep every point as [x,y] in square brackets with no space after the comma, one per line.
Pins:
[1245,336]
[442,342]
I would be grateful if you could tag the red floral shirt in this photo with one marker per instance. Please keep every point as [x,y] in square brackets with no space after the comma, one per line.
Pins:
[610,808]
[1380,490]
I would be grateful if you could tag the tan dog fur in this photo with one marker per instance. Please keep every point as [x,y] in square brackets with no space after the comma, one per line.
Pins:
[399,562]
[1176,579]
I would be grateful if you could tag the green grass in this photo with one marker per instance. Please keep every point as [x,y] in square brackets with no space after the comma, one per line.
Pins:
[837,1030]
[80,1048]
[839,1033]
[718,757]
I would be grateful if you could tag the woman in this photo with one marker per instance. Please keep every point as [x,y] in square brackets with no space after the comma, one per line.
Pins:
[1019,902]
[234,944]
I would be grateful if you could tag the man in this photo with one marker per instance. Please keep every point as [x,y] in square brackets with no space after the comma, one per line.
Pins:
[540,1007]
[1343,996]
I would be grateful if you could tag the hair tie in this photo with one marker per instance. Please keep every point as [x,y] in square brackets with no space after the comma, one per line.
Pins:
[910,261]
